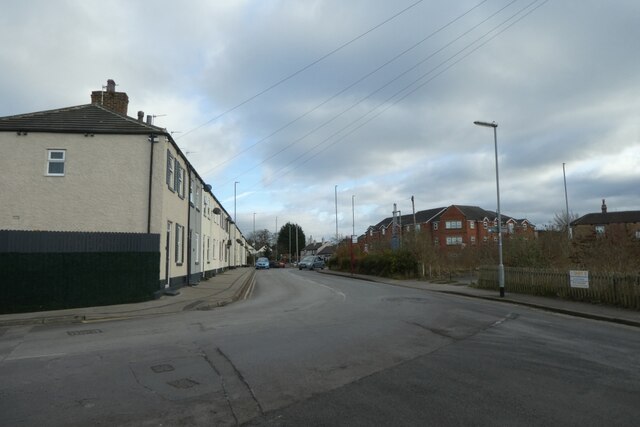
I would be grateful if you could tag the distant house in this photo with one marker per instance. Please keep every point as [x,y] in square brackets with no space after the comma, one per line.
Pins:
[92,168]
[311,249]
[604,222]
[326,250]
[448,227]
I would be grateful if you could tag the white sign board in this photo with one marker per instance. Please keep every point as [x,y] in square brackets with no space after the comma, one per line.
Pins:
[579,279]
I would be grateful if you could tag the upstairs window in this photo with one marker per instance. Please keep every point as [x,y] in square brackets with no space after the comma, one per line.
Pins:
[472,224]
[453,224]
[55,162]
[178,182]
[599,230]
[435,225]
[170,177]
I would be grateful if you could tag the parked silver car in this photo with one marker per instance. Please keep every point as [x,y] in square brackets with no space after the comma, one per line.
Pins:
[311,262]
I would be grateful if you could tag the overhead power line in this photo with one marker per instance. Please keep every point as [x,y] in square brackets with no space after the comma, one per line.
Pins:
[408,92]
[306,67]
[385,85]
[351,85]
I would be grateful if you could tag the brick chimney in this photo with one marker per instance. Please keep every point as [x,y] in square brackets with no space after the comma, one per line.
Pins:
[604,207]
[115,101]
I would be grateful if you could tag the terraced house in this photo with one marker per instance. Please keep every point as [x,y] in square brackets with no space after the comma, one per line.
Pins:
[92,168]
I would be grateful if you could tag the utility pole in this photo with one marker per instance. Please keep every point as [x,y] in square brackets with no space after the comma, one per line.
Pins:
[413,206]
[566,200]
[289,243]
[254,238]
[297,249]
[353,230]
[277,235]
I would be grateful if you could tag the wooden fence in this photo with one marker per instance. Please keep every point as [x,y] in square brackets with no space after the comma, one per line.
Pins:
[621,290]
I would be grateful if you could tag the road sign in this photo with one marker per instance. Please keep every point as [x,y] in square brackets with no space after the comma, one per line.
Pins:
[579,279]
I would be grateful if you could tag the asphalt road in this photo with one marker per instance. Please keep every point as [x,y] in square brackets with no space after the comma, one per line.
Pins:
[312,349]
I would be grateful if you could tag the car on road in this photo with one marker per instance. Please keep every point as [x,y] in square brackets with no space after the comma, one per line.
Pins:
[262,262]
[311,262]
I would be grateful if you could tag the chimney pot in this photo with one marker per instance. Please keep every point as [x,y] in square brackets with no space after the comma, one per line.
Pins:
[149,119]
[604,207]
[111,86]
[140,116]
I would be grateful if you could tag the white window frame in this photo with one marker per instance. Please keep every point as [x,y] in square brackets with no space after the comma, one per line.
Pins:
[179,244]
[170,171]
[600,229]
[454,240]
[473,240]
[472,225]
[51,161]
[435,225]
[453,225]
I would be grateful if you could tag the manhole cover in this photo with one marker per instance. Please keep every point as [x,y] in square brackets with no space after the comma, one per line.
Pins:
[183,383]
[85,332]
[162,368]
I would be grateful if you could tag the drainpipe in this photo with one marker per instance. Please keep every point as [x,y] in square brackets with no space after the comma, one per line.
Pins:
[189,242]
[153,140]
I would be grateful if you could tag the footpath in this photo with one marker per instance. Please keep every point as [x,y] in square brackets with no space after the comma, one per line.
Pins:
[462,288]
[222,289]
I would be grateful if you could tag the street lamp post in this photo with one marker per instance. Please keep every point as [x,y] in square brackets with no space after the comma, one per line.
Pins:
[494,125]
[353,230]
[235,222]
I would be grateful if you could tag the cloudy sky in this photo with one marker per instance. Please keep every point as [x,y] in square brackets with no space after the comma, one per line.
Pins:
[292,98]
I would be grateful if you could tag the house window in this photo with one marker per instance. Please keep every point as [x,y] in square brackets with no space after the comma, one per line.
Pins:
[191,193]
[485,224]
[417,227]
[524,225]
[453,224]
[472,224]
[436,241]
[383,231]
[637,234]
[485,239]
[435,225]
[178,182]
[179,244]
[170,178]
[208,250]
[495,238]
[599,229]
[454,240]
[55,162]
[510,228]
[473,240]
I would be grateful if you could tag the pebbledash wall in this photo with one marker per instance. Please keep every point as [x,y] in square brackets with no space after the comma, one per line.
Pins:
[44,270]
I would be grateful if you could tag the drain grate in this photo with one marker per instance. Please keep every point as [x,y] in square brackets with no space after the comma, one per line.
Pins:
[162,368]
[85,332]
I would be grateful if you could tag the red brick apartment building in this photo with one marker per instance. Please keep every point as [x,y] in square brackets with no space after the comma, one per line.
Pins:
[453,226]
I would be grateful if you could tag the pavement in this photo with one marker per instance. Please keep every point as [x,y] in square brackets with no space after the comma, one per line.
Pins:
[220,290]
[237,284]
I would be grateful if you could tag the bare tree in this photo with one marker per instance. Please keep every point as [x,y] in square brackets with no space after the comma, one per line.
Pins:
[560,220]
